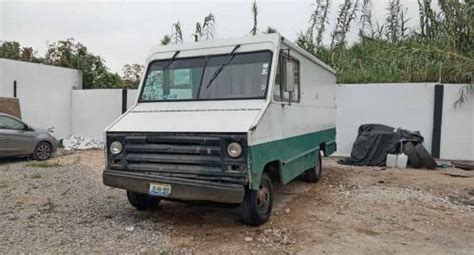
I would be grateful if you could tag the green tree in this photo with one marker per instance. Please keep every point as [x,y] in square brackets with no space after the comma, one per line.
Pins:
[10,50]
[165,40]
[131,75]
[72,54]
[13,50]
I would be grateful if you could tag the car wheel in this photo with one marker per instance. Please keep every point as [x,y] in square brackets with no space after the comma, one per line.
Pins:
[43,151]
[314,174]
[142,201]
[257,205]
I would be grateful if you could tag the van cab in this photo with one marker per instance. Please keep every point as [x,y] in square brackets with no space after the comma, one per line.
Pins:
[224,121]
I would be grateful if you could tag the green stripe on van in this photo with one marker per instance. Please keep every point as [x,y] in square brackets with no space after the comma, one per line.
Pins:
[294,154]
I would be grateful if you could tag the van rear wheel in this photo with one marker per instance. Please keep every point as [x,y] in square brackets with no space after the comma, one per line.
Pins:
[314,174]
[142,201]
[257,205]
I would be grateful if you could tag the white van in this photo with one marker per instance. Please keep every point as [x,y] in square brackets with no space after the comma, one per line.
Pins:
[223,121]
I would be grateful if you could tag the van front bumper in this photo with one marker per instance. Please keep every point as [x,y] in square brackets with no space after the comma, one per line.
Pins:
[181,189]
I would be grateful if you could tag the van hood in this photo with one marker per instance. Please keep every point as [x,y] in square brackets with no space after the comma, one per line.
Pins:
[229,116]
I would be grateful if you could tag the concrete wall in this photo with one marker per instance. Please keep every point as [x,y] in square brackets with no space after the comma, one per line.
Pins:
[44,92]
[131,97]
[51,97]
[457,129]
[409,106]
[93,110]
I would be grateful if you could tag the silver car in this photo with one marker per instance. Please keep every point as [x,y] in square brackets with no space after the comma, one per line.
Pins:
[19,139]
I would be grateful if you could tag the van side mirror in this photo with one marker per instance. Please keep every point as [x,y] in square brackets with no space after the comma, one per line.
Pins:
[289,77]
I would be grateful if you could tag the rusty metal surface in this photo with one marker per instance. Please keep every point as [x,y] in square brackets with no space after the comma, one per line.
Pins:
[182,189]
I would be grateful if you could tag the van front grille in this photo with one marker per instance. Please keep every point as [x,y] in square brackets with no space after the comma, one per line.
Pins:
[188,156]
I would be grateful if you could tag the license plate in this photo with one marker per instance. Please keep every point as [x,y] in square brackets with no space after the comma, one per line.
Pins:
[160,189]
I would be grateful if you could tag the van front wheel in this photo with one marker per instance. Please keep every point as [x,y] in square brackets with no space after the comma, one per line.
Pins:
[257,205]
[142,201]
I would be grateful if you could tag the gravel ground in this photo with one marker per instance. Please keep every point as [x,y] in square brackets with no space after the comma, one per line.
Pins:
[62,207]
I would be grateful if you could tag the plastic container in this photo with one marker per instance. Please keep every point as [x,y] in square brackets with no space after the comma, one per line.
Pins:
[402,161]
[391,160]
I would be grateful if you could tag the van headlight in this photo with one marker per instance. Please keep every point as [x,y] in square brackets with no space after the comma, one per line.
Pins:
[234,150]
[116,147]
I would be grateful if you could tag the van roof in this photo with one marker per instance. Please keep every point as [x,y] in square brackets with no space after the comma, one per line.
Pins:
[274,38]
[269,38]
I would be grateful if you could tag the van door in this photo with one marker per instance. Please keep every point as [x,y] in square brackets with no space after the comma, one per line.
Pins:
[279,93]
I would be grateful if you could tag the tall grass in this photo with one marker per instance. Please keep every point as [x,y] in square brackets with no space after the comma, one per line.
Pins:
[440,50]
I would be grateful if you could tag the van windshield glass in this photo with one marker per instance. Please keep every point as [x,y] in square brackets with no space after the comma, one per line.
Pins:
[244,77]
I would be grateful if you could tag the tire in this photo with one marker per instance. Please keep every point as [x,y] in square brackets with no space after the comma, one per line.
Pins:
[425,157]
[314,174]
[43,151]
[413,159]
[257,204]
[142,201]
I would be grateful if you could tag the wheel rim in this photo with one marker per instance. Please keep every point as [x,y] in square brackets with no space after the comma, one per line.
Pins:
[43,151]
[263,198]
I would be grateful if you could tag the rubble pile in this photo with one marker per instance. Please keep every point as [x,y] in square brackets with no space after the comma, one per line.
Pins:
[81,143]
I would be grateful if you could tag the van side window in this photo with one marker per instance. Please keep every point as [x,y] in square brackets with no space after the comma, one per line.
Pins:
[278,93]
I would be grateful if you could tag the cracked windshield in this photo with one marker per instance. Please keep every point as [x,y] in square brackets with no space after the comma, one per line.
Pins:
[232,76]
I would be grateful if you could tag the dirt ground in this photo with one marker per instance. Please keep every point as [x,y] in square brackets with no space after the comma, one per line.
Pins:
[62,207]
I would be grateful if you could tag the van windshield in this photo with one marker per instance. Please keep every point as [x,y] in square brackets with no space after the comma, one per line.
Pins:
[244,77]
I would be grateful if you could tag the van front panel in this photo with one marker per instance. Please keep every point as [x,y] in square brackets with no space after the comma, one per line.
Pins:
[191,156]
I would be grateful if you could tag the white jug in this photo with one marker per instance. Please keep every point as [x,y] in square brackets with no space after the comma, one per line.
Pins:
[402,161]
[391,160]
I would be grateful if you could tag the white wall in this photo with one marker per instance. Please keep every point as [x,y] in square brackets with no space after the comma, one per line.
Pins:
[94,109]
[131,97]
[409,106]
[44,92]
[457,129]
[48,99]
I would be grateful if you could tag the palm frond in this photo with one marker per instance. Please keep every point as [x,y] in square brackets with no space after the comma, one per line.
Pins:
[253,31]
[208,27]
[177,33]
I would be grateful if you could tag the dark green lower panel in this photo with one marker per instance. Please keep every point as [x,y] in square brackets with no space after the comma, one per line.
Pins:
[294,154]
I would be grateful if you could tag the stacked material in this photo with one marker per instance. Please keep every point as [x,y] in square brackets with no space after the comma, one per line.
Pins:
[10,106]
[375,141]
[81,143]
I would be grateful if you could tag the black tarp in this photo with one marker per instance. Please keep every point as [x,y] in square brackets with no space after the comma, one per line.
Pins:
[375,141]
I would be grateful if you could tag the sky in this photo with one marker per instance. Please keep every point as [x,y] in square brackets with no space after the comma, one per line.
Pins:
[123,32]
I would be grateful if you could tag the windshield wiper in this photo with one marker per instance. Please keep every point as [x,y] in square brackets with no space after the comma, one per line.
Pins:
[218,71]
[171,61]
